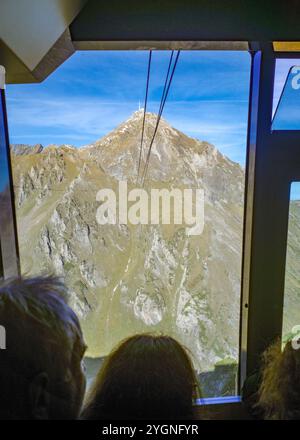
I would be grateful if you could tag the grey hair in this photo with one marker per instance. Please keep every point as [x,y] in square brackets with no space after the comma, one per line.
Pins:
[43,334]
[43,301]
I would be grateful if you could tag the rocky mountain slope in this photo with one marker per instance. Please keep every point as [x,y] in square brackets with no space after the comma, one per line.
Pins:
[124,278]
[291,311]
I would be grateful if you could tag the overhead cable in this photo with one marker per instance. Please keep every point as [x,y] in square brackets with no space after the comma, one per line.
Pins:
[161,108]
[144,116]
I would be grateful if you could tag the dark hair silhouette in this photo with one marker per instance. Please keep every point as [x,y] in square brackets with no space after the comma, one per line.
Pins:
[145,377]
[279,392]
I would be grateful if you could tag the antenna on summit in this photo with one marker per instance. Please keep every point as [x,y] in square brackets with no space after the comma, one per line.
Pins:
[139,105]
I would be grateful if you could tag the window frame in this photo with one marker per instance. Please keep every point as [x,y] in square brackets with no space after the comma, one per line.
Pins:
[274,162]
[9,248]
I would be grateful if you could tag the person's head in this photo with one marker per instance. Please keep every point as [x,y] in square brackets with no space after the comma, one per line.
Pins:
[146,376]
[249,395]
[40,370]
[279,392]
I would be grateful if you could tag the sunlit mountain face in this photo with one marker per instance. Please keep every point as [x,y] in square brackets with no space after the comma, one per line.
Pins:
[129,278]
[126,278]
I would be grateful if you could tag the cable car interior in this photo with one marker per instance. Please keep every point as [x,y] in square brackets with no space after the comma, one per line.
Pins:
[227,291]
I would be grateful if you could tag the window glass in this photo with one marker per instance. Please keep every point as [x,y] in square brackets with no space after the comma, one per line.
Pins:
[131,266]
[291,310]
[4,176]
[286,102]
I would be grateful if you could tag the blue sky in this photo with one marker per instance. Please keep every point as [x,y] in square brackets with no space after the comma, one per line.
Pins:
[287,115]
[295,191]
[92,92]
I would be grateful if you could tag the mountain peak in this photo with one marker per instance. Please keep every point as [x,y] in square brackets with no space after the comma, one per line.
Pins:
[150,117]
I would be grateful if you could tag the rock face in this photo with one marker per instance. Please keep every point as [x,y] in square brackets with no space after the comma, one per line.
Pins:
[125,279]
[291,311]
[21,149]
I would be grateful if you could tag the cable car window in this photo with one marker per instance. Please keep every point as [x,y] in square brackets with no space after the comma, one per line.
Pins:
[140,211]
[287,96]
[291,311]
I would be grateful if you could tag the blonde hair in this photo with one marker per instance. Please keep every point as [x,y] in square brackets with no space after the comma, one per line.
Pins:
[279,392]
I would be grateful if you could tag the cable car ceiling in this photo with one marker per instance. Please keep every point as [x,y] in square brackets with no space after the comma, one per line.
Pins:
[34,41]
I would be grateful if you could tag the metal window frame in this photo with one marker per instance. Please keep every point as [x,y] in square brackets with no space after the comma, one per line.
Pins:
[273,163]
[9,247]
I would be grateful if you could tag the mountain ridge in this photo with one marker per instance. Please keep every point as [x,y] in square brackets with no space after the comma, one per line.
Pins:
[125,279]
[163,281]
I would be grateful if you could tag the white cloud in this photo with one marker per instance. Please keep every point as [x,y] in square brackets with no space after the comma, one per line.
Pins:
[89,117]
[82,120]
